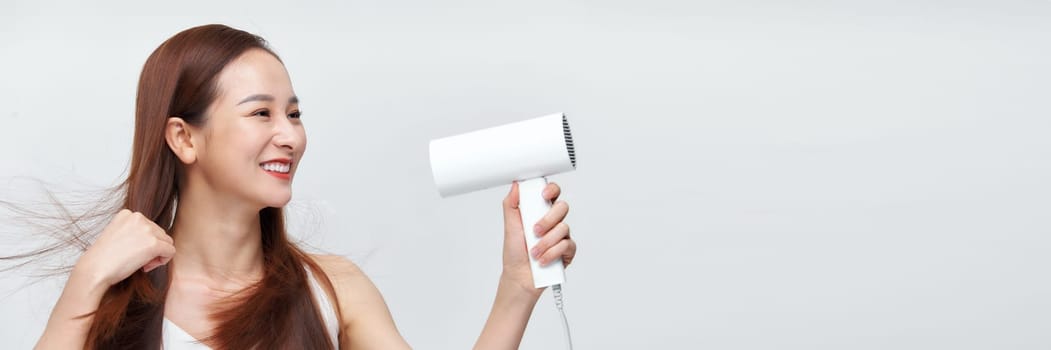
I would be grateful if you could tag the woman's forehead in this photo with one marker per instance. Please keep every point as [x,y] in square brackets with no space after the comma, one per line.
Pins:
[254,73]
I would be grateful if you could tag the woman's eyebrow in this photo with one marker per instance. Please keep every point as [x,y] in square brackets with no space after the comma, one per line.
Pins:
[264,97]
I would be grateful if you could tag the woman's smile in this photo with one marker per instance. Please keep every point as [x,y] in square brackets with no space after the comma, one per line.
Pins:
[278,168]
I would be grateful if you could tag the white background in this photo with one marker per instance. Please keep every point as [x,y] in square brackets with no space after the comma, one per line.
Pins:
[752,174]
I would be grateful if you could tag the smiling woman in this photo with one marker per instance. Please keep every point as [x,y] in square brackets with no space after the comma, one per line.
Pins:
[198,256]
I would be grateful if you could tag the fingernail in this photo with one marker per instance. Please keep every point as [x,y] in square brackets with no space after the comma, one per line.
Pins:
[536,229]
[535,252]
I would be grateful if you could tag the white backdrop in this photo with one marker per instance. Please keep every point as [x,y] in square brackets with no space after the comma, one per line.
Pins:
[752,174]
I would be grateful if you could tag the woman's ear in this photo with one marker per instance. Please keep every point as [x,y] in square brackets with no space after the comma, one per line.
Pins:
[177,134]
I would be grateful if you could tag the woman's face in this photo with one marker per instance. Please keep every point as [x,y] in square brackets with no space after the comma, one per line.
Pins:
[253,138]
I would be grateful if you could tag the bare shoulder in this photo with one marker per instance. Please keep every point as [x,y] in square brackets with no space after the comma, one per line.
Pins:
[366,320]
[350,283]
[336,266]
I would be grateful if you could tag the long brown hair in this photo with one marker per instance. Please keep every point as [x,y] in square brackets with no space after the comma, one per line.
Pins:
[180,79]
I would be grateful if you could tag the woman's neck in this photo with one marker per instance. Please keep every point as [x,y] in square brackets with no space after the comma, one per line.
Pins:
[216,240]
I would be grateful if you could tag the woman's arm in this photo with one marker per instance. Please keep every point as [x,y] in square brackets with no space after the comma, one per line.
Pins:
[68,326]
[508,318]
[367,323]
[516,296]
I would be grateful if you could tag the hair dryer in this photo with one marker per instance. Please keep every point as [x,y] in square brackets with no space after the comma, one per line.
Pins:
[525,151]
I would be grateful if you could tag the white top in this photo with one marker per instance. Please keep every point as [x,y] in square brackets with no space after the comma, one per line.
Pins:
[175,338]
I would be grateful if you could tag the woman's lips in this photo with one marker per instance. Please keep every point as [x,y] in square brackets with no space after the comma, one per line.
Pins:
[280,168]
[278,175]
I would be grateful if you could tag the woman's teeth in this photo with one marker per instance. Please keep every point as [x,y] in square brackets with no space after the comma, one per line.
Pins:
[276,167]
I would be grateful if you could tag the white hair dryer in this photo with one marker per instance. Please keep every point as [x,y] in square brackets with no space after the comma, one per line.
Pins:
[525,151]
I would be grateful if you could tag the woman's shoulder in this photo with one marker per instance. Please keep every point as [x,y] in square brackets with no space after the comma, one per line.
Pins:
[336,266]
[351,284]
[366,320]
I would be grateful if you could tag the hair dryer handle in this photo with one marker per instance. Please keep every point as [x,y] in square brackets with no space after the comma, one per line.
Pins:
[533,207]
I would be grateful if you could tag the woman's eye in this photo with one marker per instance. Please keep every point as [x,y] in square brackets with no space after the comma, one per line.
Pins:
[262,113]
[295,115]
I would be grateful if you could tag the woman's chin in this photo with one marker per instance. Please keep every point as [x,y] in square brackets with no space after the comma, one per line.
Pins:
[278,204]
[277,201]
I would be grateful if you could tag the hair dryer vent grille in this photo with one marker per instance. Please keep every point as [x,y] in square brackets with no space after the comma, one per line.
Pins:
[569,141]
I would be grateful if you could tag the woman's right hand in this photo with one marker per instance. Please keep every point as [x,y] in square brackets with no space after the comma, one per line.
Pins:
[131,241]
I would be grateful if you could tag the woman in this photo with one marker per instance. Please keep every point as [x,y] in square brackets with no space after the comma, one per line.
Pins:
[199,255]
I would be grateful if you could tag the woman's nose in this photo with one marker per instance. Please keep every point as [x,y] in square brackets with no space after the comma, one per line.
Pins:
[288,135]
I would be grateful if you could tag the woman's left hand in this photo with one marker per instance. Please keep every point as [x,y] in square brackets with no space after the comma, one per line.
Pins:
[555,242]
